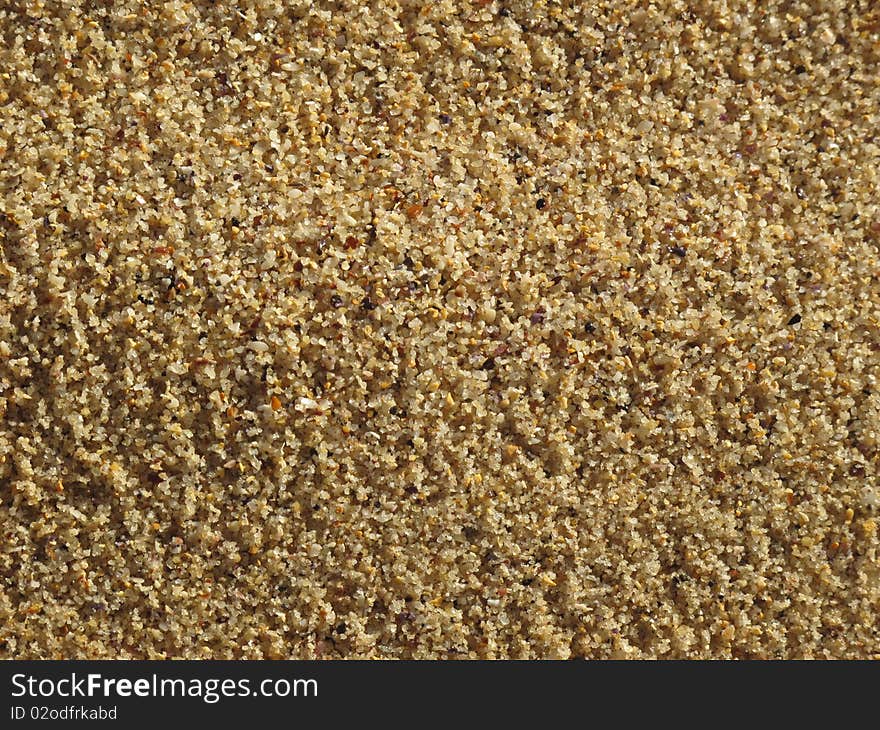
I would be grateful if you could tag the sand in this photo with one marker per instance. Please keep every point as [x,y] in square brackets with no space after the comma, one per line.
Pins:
[498,329]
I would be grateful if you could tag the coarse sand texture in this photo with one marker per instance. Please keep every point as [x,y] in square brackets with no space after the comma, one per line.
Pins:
[397,329]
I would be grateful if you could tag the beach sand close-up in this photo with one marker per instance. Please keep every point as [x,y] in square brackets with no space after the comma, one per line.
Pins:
[435,330]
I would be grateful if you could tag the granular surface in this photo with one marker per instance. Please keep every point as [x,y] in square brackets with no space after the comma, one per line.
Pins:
[497,329]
